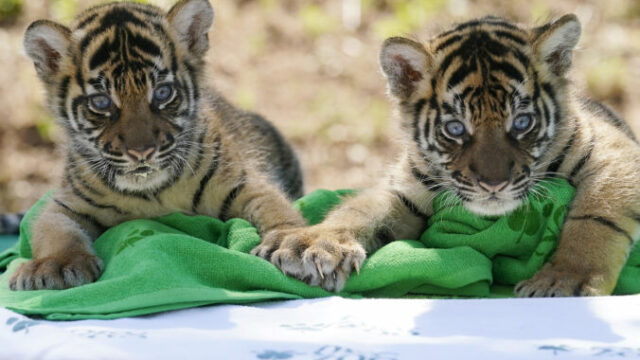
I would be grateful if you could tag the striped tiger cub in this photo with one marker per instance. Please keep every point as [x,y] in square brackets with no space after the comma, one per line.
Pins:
[487,112]
[146,137]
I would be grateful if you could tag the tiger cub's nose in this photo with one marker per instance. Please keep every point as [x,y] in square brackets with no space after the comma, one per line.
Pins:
[141,154]
[492,186]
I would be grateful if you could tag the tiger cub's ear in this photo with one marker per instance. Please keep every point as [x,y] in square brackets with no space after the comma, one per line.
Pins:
[404,63]
[46,43]
[192,19]
[554,42]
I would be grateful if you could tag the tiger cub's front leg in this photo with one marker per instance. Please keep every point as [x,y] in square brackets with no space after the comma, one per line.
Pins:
[600,228]
[262,204]
[325,254]
[62,253]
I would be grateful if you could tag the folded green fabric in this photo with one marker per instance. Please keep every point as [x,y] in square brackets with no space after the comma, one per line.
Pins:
[181,261]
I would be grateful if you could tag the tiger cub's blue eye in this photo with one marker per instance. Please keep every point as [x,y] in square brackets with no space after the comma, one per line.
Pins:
[100,102]
[162,93]
[455,128]
[522,122]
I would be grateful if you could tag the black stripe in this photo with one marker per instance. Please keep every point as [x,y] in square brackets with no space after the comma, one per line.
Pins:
[116,17]
[75,109]
[89,200]
[484,21]
[198,161]
[172,50]
[72,170]
[96,82]
[448,42]
[522,58]
[508,69]
[90,188]
[547,114]
[178,171]
[417,111]
[634,216]
[108,179]
[511,36]
[228,201]
[139,195]
[425,180]
[555,164]
[146,11]
[576,169]
[248,202]
[63,91]
[86,21]
[144,44]
[411,206]
[471,48]
[604,221]
[193,76]
[461,73]
[548,88]
[88,218]
[384,235]
[433,105]
[195,202]
[610,116]
[102,55]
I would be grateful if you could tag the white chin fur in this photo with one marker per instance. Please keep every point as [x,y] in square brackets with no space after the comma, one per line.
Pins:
[148,182]
[492,207]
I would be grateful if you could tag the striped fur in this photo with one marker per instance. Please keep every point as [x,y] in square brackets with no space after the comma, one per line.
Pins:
[489,77]
[135,151]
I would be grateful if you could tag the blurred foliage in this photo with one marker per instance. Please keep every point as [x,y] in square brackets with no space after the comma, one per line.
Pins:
[10,9]
[607,79]
[245,97]
[64,10]
[315,21]
[46,128]
[539,12]
[405,16]
[269,4]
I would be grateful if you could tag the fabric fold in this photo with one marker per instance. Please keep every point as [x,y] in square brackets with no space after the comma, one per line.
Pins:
[179,261]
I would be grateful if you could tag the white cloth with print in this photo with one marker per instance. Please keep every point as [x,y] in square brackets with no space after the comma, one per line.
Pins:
[343,329]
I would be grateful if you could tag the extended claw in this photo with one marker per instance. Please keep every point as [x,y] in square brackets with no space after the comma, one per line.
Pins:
[319,269]
[357,267]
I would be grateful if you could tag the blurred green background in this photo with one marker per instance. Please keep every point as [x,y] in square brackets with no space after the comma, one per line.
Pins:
[311,68]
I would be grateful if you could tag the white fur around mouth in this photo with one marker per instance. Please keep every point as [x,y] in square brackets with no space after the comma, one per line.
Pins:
[142,180]
[142,171]
[492,207]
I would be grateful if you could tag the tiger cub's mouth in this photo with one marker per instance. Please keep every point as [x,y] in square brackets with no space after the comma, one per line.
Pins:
[142,171]
[492,206]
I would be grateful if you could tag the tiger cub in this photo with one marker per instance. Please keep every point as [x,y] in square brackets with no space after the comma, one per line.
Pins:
[487,112]
[145,136]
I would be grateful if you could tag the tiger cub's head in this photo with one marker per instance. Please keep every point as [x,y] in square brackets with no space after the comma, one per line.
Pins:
[123,80]
[482,103]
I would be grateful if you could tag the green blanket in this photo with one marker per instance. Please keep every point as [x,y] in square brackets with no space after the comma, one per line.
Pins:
[181,261]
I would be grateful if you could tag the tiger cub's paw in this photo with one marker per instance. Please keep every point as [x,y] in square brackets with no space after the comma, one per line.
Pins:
[317,255]
[56,273]
[558,281]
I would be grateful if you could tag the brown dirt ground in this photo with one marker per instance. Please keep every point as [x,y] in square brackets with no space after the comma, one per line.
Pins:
[311,68]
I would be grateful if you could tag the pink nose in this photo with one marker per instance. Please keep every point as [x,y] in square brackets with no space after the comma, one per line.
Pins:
[493,187]
[141,155]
